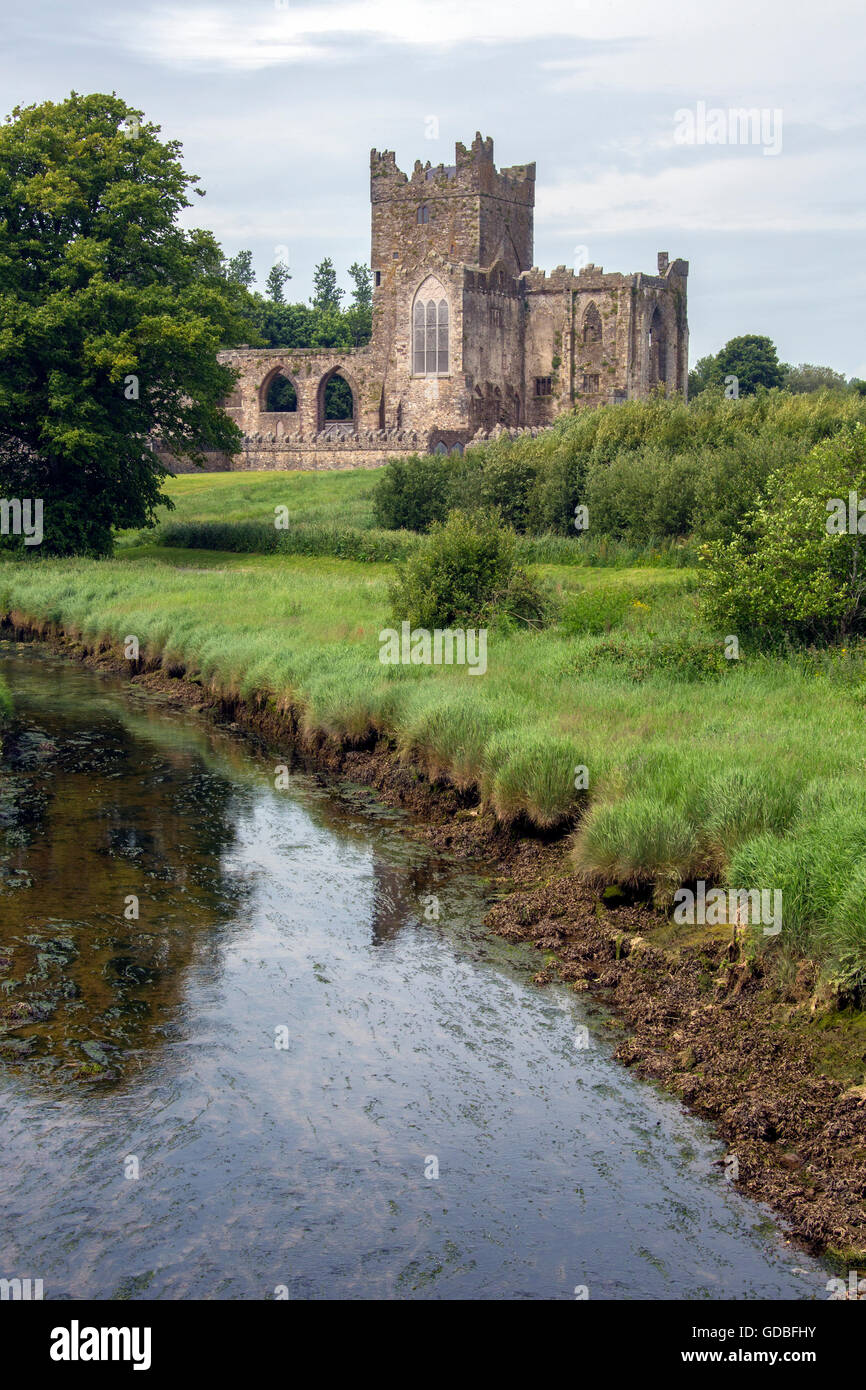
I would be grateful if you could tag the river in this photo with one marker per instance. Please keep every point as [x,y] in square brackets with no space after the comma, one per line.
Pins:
[303,1069]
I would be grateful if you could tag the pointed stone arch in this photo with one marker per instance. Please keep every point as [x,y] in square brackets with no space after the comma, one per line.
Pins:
[328,399]
[277,390]
[431,329]
[592,325]
[657,348]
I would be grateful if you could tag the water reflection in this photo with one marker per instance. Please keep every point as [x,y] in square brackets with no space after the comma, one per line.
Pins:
[281,1041]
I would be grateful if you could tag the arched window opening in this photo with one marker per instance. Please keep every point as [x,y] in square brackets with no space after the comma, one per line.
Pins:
[338,401]
[430,343]
[424,213]
[281,395]
[592,325]
[657,348]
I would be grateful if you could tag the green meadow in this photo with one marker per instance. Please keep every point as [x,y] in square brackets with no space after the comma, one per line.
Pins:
[312,498]
[625,721]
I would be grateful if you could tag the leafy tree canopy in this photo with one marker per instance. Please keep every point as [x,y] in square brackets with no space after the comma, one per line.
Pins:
[278,275]
[327,294]
[807,377]
[239,270]
[322,323]
[362,278]
[753,360]
[111,316]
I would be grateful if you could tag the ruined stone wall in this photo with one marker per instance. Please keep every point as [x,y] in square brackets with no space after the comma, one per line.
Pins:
[364,451]
[309,372]
[591,334]
[665,292]
[520,352]
[493,338]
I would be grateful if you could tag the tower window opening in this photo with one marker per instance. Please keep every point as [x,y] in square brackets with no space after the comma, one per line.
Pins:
[592,325]
[430,333]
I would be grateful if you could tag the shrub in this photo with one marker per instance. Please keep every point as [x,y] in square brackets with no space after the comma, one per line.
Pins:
[466,574]
[502,477]
[687,657]
[787,577]
[412,493]
[643,494]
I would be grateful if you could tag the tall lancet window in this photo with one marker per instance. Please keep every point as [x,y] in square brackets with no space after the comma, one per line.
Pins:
[592,325]
[430,325]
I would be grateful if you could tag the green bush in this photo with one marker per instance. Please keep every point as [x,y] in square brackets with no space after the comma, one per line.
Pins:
[502,477]
[466,574]
[787,578]
[412,493]
[648,471]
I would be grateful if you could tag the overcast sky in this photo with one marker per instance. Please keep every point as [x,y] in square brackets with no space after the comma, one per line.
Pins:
[278,102]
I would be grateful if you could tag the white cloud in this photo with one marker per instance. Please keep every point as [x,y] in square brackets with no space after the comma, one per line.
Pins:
[734,193]
[631,46]
[270,35]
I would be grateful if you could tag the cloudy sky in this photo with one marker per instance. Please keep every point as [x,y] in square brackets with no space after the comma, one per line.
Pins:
[278,102]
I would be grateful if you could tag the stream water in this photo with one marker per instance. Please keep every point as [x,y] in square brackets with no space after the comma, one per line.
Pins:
[246,1091]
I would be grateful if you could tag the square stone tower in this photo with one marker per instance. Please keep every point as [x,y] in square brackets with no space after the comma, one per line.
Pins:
[428,230]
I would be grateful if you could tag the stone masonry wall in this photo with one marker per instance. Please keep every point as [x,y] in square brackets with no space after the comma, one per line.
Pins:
[523,346]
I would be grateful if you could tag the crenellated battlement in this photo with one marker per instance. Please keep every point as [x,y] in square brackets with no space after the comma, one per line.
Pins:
[473,172]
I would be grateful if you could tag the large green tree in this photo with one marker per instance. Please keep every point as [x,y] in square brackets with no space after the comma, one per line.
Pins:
[797,569]
[111,316]
[753,360]
[239,270]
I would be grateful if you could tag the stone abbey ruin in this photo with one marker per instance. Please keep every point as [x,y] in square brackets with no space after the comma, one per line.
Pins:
[469,339]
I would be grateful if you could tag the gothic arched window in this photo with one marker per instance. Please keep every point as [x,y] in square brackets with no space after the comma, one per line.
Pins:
[657,347]
[592,325]
[424,213]
[430,332]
